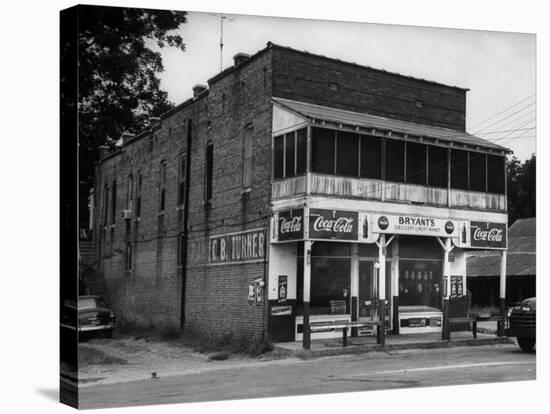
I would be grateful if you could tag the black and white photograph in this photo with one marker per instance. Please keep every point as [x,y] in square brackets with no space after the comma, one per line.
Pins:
[261,205]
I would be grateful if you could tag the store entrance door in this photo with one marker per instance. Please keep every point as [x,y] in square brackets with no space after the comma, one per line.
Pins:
[368,293]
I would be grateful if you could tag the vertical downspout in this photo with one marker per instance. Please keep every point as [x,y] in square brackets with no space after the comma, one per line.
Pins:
[185,229]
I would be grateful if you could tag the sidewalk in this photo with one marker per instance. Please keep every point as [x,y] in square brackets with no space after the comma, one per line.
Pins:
[333,346]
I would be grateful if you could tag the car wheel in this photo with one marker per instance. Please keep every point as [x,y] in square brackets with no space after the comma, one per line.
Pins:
[526,344]
[109,333]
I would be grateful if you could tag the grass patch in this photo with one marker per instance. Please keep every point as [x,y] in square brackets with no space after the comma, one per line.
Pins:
[92,356]
[149,332]
[226,344]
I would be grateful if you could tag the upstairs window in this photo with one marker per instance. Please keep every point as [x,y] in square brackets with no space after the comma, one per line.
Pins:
[105,203]
[478,172]
[181,179]
[209,170]
[347,154]
[395,160]
[496,176]
[138,194]
[301,151]
[323,146]
[290,154]
[162,187]
[130,192]
[371,157]
[438,168]
[247,157]
[459,169]
[113,203]
[416,163]
[279,157]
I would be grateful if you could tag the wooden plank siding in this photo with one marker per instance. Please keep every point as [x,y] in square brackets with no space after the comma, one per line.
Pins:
[370,189]
[346,187]
[416,193]
[289,187]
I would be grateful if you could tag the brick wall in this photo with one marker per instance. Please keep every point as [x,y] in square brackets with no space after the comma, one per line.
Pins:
[216,296]
[306,77]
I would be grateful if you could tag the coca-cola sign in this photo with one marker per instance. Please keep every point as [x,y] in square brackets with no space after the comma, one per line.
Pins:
[333,224]
[488,235]
[291,225]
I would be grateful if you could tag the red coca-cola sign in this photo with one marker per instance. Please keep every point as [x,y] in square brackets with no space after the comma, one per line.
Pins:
[488,235]
[291,225]
[333,224]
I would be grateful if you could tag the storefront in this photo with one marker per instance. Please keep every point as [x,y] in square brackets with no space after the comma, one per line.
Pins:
[325,266]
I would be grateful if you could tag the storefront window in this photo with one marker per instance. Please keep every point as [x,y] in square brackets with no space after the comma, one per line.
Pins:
[330,277]
[420,272]
[420,283]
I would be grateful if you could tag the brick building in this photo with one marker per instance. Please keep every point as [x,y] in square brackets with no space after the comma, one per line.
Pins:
[271,197]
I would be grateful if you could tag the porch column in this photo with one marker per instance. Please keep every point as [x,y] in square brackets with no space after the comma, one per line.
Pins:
[354,286]
[381,337]
[395,286]
[306,336]
[446,328]
[502,295]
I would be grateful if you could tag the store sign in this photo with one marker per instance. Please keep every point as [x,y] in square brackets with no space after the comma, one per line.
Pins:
[245,246]
[281,310]
[488,235]
[282,288]
[291,225]
[333,224]
[415,225]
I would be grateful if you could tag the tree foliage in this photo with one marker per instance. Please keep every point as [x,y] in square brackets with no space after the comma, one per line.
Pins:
[521,188]
[118,62]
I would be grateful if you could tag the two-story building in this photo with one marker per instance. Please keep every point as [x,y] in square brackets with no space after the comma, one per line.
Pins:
[299,188]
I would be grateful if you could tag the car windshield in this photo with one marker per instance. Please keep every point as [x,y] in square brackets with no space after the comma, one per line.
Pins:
[89,303]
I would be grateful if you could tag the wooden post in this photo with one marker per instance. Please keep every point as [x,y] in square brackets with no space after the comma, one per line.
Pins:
[381,338]
[502,295]
[354,286]
[395,286]
[306,337]
[446,328]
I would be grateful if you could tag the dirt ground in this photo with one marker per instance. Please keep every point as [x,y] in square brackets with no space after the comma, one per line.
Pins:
[125,358]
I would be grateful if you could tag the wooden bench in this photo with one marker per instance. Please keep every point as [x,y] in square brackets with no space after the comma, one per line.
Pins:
[459,312]
[340,325]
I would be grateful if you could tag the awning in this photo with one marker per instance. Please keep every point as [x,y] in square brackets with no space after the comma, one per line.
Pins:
[318,113]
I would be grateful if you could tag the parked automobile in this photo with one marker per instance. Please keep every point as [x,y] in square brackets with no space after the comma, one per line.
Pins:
[92,315]
[522,324]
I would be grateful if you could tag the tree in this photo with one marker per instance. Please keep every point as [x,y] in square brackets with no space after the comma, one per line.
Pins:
[119,90]
[521,188]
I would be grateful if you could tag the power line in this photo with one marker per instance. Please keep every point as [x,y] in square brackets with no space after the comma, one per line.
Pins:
[505,118]
[501,112]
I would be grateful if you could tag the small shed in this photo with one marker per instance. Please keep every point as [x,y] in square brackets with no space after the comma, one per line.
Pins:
[483,267]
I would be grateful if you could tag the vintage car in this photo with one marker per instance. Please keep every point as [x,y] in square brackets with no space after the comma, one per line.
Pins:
[92,314]
[522,324]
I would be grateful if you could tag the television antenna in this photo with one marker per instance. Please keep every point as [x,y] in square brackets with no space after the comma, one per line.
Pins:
[222,18]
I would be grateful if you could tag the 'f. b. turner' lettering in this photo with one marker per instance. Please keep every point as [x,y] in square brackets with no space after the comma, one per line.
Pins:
[237,247]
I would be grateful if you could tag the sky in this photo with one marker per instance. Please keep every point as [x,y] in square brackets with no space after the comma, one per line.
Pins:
[499,68]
